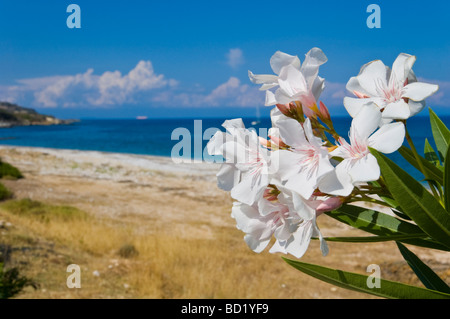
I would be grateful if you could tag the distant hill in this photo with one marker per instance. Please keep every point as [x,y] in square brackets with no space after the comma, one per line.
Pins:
[15,115]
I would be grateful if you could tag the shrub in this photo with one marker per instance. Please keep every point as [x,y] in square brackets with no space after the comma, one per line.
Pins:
[12,283]
[45,212]
[128,251]
[8,171]
[4,192]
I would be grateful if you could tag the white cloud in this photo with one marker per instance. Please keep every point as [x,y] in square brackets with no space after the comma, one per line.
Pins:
[235,57]
[334,93]
[230,93]
[109,88]
[141,85]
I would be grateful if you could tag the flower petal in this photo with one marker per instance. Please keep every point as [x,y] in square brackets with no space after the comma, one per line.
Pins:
[281,59]
[257,245]
[397,110]
[353,86]
[276,116]
[216,142]
[388,138]
[299,243]
[401,68]
[234,123]
[365,169]
[419,91]
[292,133]
[284,164]
[318,87]
[227,177]
[310,67]
[370,76]
[354,105]
[270,99]
[337,182]
[263,78]
[244,216]
[366,122]
[323,244]
[235,153]
[250,189]
[302,183]
[281,97]
[416,107]
[292,81]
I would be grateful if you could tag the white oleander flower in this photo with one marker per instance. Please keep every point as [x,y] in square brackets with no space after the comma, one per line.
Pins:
[245,170]
[307,160]
[291,220]
[358,164]
[396,91]
[294,81]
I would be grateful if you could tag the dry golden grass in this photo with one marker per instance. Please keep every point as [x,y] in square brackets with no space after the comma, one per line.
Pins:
[47,241]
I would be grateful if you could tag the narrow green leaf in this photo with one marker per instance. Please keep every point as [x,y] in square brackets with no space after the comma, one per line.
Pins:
[426,275]
[415,200]
[387,289]
[447,181]
[372,221]
[441,134]
[395,207]
[432,171]
[374,239]
[430,155]
[381,224]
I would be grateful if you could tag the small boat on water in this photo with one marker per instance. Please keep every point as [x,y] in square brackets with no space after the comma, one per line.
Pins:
[141,117]
[258,117]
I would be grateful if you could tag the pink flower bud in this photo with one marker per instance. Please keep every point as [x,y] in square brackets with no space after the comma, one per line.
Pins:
[329,204]
[285,109]
[325,114]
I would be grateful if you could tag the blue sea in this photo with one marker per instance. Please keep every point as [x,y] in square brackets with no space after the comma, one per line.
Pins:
[156,136]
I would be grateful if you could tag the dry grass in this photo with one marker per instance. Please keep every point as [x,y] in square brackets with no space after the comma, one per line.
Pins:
[47,238]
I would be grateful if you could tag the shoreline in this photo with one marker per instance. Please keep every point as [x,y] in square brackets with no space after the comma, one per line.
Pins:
[138,161]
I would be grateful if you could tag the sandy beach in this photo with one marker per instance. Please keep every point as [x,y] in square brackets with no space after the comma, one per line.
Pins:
[152,197]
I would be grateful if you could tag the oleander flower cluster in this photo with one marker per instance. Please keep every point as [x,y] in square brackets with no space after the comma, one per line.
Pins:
[283,183]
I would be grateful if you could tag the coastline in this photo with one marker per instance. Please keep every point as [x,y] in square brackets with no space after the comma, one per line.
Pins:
[134,162]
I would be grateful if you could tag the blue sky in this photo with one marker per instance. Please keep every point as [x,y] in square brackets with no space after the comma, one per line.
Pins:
[190,58]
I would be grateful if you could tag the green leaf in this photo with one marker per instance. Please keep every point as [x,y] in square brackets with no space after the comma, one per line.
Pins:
[447,181]
[415,200]
[373,221]
[395,207]
[441,135]
[426,275]
[432,171]
[430,154]
[357,282]
[381,224]
[373,239]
